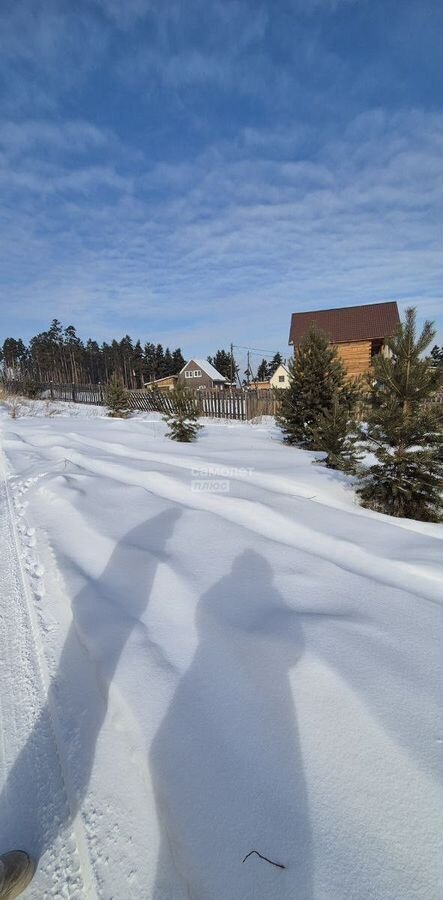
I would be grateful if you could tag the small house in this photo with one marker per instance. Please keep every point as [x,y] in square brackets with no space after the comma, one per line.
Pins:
[280,378]
[357,332]
[259,385]
[167,383]
[200,374]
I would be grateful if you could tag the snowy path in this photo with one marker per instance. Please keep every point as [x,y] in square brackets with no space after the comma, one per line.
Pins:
[29,728]
[56,712]
[197,673]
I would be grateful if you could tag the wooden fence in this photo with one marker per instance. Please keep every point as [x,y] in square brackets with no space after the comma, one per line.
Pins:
[218,404]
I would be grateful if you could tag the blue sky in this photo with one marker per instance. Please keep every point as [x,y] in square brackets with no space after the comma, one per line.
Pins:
[193,171]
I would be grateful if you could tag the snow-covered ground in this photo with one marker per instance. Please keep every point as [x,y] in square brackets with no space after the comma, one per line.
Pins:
[210,649]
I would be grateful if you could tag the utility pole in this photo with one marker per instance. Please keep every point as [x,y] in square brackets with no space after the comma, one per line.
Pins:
[248,369]
[232,363]
[252,374]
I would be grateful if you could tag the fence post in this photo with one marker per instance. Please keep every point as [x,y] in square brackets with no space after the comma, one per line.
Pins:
[73,392]
[51,390]
[100,392]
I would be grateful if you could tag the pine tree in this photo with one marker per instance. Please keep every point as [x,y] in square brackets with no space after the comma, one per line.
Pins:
[178,361]
[150,361]
[73,353]
[138,364]
[92,361]
[126,361]
[263,371]
[336,434]
[159,361]
[404,430]
[116,358]
[183,417]
[30,387]
[316,378]
[225,364]
[167,362]
[437,355]
[116,398]
[276,361]
[14,357]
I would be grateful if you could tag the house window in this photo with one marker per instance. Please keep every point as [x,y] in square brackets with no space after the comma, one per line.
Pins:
[197,373]
[376,347]
[281,377]
[188,374]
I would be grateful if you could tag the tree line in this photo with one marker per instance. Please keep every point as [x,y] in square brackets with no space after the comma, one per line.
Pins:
[59,355]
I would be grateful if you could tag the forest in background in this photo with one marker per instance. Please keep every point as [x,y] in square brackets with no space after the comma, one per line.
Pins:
[61,356]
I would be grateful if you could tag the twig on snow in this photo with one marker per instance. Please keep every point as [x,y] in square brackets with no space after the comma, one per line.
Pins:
[278,865]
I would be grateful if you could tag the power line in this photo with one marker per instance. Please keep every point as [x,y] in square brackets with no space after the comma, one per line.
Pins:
[235,369]
[256,349]
[262,354]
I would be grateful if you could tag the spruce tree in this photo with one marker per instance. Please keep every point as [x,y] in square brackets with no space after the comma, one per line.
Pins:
[183,416]
[336,433]
[116,398]
[437,356]
[263,371]
[159,360]
[276,361]
[178,361]
[30,388]
[167,363]
[404,430]
[316,378]
[224,363]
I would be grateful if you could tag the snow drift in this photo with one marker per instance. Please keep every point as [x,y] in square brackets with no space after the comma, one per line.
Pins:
[234,656]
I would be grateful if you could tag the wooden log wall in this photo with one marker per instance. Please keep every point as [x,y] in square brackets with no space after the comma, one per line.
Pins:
[356,357]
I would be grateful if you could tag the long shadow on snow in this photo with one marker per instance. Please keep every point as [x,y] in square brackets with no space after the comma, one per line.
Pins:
[32,810]
[226,761]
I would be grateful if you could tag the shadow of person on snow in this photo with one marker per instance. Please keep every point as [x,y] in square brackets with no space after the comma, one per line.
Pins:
[226,761]
[34,809]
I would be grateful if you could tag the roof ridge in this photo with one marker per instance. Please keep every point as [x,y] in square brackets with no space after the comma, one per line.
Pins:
[306,312]
[363,321]
[207,367]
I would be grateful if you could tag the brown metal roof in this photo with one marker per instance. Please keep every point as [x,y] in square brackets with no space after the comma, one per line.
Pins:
[349,323]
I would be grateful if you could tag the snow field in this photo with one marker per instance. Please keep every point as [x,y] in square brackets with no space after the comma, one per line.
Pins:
[227,671]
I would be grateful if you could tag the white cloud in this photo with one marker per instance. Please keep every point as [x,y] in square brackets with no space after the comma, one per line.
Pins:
[46,49]
[228,245]
[28,135]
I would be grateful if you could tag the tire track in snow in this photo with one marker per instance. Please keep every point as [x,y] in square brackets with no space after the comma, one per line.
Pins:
[65,870]
[281,485]
[278,484]
[260,519]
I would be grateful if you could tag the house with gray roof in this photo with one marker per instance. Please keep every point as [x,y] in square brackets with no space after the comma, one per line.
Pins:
[200,374]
